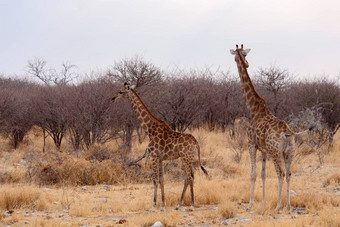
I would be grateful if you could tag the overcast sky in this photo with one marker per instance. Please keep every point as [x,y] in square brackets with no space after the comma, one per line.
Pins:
[302,36]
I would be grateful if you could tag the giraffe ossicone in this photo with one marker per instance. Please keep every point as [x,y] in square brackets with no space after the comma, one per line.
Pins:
[164,144]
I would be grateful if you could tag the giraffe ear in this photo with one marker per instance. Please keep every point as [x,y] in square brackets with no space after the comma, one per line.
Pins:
[245,51]
[232,52]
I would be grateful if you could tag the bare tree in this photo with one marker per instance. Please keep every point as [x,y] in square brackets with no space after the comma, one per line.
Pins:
[89,113]
[51,111]
[15,110]
[135,71]
[273,80]
[38,69]
[140,73]
[181,101]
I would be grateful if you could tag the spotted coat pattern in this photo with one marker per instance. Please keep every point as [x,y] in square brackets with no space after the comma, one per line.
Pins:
[165,144]
[272,136]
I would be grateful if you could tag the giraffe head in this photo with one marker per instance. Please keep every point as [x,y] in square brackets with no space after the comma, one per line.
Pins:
[123,92]
[240,55]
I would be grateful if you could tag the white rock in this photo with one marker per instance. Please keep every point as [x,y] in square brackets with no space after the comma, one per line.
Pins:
[157,224]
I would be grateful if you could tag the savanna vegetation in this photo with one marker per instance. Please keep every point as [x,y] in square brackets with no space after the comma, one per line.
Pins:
[66,151]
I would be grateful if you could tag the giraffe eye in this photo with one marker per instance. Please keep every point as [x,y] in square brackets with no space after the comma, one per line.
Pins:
[120,92]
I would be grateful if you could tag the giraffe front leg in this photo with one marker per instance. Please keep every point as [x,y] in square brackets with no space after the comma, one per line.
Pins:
[161,182]
[288,161]
[263,176]
[252,152]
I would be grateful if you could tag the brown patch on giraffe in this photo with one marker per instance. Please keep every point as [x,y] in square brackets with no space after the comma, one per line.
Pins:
[162,142]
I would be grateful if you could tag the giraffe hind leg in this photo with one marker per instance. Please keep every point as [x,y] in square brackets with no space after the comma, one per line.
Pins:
[188,180]
[192,191]
[155,179]
[280,176]
[183,194]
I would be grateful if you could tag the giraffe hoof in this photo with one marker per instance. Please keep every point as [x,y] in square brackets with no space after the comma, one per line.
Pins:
[162,209]
[287,207]
[277,208]
[151,209]
[191,208]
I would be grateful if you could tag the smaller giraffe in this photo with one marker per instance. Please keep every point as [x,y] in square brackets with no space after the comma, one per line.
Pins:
[164,144]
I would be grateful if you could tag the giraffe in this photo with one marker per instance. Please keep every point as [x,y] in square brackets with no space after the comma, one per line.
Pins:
[164,144]
[272,136]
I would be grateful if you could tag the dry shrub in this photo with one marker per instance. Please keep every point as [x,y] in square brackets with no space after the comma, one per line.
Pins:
[329,217]
[310,201]
[12,175]
[334,179]
[335,201]
[22,197]
[263,208]
[208,192]
[231,169]
[227,209]
[89,169]
[80,210]
[98,152]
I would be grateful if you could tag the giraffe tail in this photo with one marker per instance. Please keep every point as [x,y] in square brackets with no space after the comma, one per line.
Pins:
[199,162]
[204,171]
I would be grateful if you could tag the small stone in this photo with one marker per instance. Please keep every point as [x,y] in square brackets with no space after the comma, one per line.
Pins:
[8,213]
[337,189]
[157,224]
[244,220]
[26,222]
[107,187]
[300,210]
[84,188]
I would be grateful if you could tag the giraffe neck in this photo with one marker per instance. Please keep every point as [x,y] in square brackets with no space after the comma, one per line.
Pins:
[145,118]
[255,104]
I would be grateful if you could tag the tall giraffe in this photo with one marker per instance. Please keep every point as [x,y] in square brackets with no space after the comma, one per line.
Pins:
[164,144]
[267,133]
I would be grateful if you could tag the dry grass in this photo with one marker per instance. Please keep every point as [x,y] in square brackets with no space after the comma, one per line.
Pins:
[19,197]
[227,209]
[26,172]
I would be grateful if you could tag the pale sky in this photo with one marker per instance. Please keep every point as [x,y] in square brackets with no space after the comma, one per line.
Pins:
[302,36]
